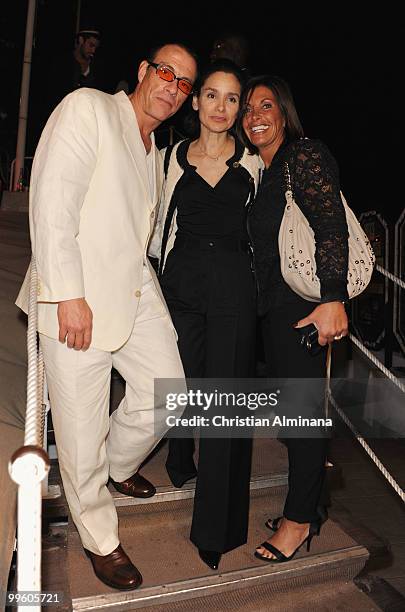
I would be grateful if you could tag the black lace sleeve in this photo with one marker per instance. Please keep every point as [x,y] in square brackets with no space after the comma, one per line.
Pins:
[315,183]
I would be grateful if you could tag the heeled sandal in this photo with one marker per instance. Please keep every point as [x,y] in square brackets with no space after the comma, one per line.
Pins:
[273,524]
[314,529]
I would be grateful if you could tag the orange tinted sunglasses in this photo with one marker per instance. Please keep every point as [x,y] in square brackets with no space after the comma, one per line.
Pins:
[167,74]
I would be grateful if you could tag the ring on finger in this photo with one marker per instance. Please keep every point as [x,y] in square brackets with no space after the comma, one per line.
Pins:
[339,337]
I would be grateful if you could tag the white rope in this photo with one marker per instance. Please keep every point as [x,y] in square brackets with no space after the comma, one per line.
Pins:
[378,363]
[368,450]
[364,444]
[29,466]
[392,277]
[32,435]
[394,379]
[41,404]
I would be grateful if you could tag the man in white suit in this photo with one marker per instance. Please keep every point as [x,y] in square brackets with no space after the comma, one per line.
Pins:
[94,190]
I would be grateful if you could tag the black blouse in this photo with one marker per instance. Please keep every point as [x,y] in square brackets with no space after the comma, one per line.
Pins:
[216,212]
[315,184]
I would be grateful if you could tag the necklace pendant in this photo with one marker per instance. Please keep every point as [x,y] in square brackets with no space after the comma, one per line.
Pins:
[211,156]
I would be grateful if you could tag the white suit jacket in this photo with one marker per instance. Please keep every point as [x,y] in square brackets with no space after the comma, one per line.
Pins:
[91,214]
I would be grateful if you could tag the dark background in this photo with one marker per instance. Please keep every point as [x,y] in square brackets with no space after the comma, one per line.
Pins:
[343,68]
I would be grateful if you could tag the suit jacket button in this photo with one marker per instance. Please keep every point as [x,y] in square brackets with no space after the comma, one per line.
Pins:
[137,293]
[152,214]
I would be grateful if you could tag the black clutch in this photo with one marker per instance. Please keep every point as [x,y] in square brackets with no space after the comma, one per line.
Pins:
[309,338]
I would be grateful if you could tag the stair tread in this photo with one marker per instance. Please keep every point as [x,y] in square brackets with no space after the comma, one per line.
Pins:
[338,595]
[158,542]
[269,457]
[269,460]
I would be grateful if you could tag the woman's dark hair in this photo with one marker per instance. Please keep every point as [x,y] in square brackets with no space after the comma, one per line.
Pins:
[282,93]
[191,122]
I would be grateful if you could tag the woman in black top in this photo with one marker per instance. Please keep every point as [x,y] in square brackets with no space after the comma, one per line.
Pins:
[270,126]
[208,283]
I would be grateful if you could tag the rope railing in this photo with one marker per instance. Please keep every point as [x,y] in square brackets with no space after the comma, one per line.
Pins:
[40,398]
[368,449]
[33,376]
[29,465]
[394,379]
[391,276]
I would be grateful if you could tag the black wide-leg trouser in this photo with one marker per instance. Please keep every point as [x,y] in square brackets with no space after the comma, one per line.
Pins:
[210,292]
[287,359]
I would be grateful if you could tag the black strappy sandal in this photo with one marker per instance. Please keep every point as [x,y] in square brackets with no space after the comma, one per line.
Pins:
[273,524]
[281,557]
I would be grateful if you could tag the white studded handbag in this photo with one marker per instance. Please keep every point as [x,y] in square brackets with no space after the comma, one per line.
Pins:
[297,251]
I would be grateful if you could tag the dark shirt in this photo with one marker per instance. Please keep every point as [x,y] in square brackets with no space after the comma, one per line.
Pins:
[315,184]
[78,79]
[217,212]
[64,76]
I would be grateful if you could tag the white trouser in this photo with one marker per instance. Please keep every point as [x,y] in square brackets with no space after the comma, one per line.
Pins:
[90,446]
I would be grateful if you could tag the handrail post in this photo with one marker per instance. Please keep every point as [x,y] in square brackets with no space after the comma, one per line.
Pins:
[29,465]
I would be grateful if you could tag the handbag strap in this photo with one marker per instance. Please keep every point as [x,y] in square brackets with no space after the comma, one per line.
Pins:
[166,161]
[289,193]
[327,381]
[287,176]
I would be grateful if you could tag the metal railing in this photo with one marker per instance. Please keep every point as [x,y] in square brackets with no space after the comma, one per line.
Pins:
[166,135]
[12,177]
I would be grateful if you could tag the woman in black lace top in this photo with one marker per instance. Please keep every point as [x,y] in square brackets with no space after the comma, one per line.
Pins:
[270,126]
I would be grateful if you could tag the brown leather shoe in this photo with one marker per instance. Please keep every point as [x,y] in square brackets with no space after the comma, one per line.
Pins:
[116,570]
[136,486]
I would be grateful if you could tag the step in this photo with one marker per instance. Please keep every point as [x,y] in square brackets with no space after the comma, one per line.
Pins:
[328,594]
[269,457]
[335,595]
[171,494]
[297,586]
[174,573]
[269,468]
[14,201]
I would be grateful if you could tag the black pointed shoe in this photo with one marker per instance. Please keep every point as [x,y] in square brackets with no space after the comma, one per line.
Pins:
[179,479]
[210,558]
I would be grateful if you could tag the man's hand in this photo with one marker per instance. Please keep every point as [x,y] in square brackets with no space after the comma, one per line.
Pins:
[75,323]
[330,320]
